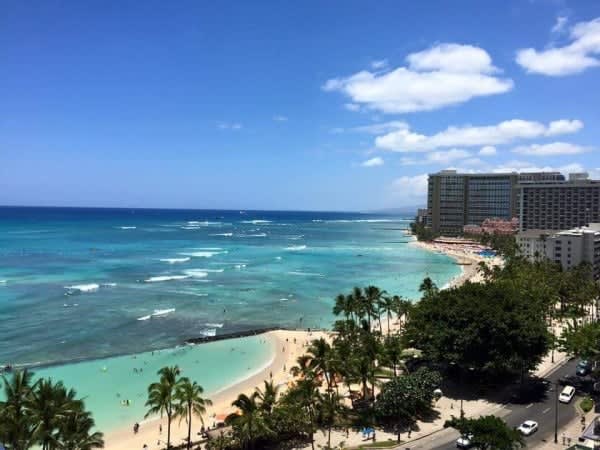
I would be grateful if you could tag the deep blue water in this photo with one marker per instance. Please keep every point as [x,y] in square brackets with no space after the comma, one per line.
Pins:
[86,282]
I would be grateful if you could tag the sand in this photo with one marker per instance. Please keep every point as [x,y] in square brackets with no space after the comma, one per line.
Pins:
[285,356]
[286,353]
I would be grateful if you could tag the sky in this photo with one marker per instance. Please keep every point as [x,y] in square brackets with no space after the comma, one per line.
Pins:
[311,105]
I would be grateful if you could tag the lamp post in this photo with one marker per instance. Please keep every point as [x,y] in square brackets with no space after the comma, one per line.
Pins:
[556,412]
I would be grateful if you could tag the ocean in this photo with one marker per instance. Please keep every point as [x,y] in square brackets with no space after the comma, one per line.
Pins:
[82,284]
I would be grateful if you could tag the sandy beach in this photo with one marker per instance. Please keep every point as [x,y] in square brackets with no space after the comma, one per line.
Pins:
[288,345]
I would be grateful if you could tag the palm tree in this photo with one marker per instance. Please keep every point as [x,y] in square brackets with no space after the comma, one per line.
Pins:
[50,404]
[402,307]
[160,396]
[75,431]
[189,401]
[319,354]
[387,305]
[428,287]
[249,423]
[392,352]
[308,397]
[372,297]
[330,408]
[15,428]
[344,304]
[267,396]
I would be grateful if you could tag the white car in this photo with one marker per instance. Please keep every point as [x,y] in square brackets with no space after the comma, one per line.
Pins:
[464,441]
[528,427]
[567,394]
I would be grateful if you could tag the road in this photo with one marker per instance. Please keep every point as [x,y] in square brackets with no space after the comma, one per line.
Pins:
[542,412]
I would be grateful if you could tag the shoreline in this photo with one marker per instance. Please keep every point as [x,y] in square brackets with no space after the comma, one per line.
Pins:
[285,353]
[463,257]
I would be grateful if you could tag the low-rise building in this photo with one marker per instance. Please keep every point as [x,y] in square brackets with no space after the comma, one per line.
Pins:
[569,248]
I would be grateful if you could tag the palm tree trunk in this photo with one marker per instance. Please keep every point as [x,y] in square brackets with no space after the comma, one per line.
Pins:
[189,446]
[388,319]
[168,431]
[329,437]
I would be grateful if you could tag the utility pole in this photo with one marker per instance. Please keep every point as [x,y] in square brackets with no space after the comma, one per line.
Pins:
[556,413]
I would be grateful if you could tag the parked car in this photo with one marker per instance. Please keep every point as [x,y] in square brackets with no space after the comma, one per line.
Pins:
[567,394]
[464,441]
[528,427]
[584,367]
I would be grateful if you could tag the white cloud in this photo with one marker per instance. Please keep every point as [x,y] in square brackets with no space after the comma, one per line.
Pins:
[373,162]
[352,106]
[229,126]
[440,76]
[564,127]
[487,150]
[384,127]
[561,23]
[379,64]
[279,118]
[405,140]
[551,149]
[408,188]
[580,54]
[524,166]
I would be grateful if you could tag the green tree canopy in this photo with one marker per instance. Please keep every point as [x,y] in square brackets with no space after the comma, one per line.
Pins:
[488,327]
[488,432]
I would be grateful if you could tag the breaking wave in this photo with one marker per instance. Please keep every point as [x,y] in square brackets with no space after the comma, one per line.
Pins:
[175,260]
[157,313]
[91,287]
[296,248]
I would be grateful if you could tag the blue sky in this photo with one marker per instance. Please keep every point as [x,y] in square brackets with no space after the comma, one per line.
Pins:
[337,105]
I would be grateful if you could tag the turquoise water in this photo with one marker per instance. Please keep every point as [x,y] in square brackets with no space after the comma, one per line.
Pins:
[83,284]
[106,383]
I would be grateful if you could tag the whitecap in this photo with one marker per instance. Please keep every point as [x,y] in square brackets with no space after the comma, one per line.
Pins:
[144,317]
[91,287]
[109,284]
[175,260]
[295,248]
[278,258]
[214,325]
[253,235]
[166,278]
[240,266]
[162,312]
[305,274]
[203,254]
[3,281]
[295,238]
[196,273]
[256,222]
[127,228]
[211,332]
[222,234]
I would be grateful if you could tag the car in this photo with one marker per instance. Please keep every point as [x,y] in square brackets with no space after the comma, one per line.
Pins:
[528,427]
[464,441]
[567,394]
[584,367]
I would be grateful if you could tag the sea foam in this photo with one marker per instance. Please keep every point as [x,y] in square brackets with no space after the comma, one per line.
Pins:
[91,287]
[157,313]
[296,248]
[166,278]
[256,222]
[175,260]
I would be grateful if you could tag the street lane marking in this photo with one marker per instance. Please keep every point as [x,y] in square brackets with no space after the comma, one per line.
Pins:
[529,406]
[545,411]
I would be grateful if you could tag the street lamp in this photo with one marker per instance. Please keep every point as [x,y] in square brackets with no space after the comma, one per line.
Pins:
[556,412]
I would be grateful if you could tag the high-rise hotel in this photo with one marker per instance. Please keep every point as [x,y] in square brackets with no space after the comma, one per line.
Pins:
[544,200]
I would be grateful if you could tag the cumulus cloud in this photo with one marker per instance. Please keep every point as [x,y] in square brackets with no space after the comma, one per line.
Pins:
[578,55]
[445,157]
[410,188]
[487,150]
[524,166]
[405,140]
[440,76]
[373,162]
[551,149]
